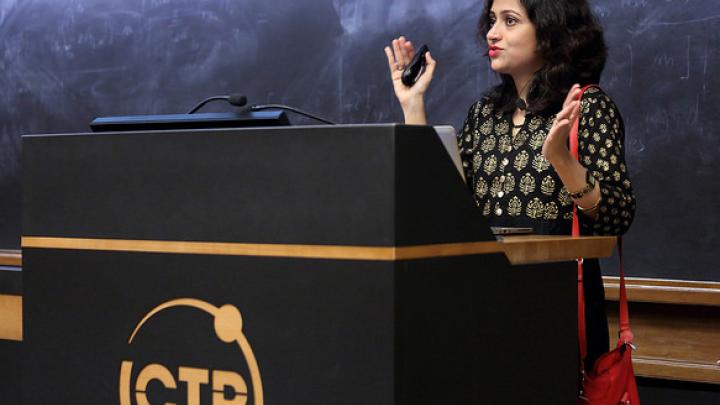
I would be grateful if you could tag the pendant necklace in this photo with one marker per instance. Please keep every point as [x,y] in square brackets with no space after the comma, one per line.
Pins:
[522,106]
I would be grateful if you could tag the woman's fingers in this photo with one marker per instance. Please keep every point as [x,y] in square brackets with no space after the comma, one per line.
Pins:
[425,79]
[574,110]
[556,140]
[569,112]
[395,58]
[399,54]
[391,59]
[431,63]
[562,114]
[408,48]
[555,146]
[393,64]
[572,94]
[561,126]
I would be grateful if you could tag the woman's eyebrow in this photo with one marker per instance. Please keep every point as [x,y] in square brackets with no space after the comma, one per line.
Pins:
[512,12]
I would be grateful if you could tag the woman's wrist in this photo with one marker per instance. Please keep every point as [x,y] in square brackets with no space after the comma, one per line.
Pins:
[590,203]
[574,177]
[564,163]
[414,111]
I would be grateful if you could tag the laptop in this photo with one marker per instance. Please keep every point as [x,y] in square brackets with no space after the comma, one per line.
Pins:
[448,137]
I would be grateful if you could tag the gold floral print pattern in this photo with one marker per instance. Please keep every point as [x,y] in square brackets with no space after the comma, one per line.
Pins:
[521,161]
[535,123]
[476,162]
[502,128]
[488,143]
[548,185]
[514,207]
[527,184]
[490,164]
[513,180]
[509,183]
[520,139]
[486,127]
[540,164]
[564,197]
[551,211]
[481,187]
[504,144]
[537,140]
[535,208]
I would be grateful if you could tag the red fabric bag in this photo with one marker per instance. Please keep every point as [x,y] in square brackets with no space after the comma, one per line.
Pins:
[611,380]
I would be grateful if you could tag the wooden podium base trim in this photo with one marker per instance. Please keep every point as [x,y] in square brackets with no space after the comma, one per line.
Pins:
[11,317]
[10,258]
[266,250]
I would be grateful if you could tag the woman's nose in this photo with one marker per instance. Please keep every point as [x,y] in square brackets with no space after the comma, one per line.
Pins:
[493,35]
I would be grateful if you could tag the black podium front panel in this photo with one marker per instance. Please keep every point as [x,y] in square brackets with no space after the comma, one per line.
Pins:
[381,185]
[320,331]
[121,307]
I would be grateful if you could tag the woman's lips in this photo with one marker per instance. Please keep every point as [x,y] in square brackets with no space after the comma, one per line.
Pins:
[494,51]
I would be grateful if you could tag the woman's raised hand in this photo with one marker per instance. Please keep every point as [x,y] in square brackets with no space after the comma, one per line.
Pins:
[555,149]
[410,98]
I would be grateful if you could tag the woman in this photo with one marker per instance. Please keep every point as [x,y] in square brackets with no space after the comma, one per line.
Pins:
[514,143]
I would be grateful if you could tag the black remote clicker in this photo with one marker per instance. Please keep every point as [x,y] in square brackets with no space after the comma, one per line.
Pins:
[415,68]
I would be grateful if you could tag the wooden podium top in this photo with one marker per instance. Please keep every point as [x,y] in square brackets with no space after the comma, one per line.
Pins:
[524,249]
[540,248]
[521,249]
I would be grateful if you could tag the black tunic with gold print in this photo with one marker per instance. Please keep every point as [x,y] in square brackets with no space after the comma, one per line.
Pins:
[516,186]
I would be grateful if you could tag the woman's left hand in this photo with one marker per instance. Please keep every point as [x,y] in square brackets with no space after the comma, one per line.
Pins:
[555,149]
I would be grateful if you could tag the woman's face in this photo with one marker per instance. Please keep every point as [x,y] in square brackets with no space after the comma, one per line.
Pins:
[511,40]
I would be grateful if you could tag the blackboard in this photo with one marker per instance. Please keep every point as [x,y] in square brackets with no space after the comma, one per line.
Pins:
[65,62]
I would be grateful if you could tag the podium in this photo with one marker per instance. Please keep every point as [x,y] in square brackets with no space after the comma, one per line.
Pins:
[301,265]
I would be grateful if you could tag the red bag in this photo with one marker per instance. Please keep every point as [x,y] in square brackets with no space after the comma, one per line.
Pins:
[611,380]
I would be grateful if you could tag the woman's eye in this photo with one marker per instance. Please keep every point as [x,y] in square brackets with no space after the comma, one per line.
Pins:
[492,22]
[510,21]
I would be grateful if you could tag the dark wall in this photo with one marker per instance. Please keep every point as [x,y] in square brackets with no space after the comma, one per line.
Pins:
[65,62]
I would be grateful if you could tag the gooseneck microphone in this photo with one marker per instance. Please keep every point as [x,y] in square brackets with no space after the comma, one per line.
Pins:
[238,100]
[259,107]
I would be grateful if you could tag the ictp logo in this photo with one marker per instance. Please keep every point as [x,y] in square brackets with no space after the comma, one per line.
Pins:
[228,328]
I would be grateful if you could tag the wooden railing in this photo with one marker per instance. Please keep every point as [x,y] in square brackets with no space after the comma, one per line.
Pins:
[676,325]
[10,258]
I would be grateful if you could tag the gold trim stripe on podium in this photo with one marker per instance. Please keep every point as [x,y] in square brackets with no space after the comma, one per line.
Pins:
[519,250]
[380,253]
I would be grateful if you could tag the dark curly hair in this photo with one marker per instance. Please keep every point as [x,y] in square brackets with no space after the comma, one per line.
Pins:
[571,44]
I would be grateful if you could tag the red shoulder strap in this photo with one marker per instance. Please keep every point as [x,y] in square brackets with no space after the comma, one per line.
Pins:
[626,335]
[582,337]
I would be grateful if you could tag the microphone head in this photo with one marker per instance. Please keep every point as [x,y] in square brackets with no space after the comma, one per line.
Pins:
[237,100]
